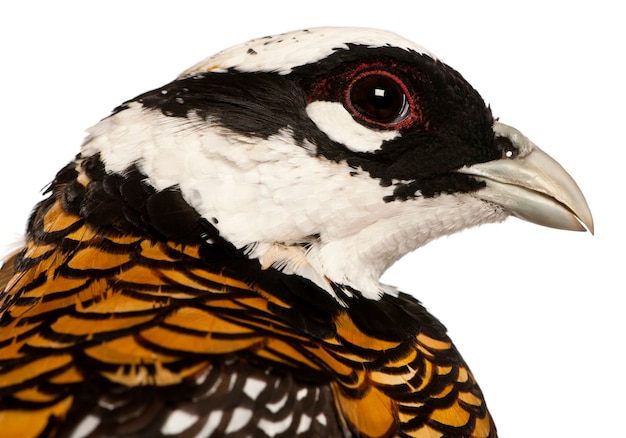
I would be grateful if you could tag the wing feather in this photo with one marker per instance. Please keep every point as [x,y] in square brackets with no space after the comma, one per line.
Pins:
[124,334]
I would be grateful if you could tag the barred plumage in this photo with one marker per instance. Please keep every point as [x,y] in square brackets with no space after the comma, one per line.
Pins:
[136,307]
[85,308]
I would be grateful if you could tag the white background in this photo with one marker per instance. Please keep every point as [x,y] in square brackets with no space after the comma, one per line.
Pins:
[537,313]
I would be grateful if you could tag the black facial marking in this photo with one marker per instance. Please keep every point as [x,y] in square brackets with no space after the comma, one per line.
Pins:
[453,127]
[251,104]
[119,204]
[449,126]
[431,188]
[122,204]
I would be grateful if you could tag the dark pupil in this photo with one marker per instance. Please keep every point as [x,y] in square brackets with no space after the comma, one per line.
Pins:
[378,98]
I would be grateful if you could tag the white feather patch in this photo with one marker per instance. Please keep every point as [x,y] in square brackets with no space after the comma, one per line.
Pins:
[292,209]
[177,422]
[253,387]
[86,426]
[211,424]
[301,393]
[337,123]
[304,425]
[282,53]
[240,418]
[277,406]
[321,419]
[273,428]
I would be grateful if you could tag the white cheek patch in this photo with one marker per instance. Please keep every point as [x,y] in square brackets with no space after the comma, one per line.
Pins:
[337,123]
[271,196]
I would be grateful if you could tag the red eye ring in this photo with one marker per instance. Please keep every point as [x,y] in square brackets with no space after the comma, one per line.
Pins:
[380,98]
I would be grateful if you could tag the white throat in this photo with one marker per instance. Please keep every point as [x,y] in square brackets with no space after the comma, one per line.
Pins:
[286,206]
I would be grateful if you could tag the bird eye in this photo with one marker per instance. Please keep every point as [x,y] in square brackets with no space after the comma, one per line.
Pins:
[380,98]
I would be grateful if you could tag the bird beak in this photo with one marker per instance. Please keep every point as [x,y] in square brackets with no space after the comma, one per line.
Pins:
[532,186]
